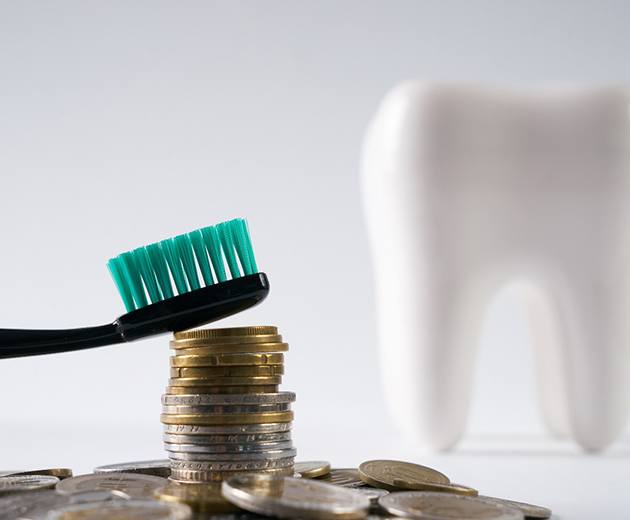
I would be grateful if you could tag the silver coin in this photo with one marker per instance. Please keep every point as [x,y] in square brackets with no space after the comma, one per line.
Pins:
[226,439]
[134,508]
[227,399]
[226,409]
[529,510]
[136,485]
[229,448]
[261,455]
[425,505]
[19,483]
[191,429]
[230,465]
[286,497]
[373,494]
[159,468]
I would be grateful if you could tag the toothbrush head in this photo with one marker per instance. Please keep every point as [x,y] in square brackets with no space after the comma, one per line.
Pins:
[184,263]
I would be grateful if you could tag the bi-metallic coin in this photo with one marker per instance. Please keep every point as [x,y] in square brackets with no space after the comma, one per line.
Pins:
[312,468]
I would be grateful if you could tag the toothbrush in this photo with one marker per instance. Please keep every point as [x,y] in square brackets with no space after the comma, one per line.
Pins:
[148,279]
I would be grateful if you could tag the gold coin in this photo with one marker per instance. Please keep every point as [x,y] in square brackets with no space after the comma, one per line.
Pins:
[312,468]
[251,359]
[206,372]
[201,497]
[257,330]
[60,473]
[225,381]
[204,349]
[196,475]
[382,473]
[243,389]
[457,489]
[240,418]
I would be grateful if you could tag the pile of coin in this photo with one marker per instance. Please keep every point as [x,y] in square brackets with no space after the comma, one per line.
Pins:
[377,490]
[222,411]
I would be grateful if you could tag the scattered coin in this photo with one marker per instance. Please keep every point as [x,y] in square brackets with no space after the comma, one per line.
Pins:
[424,505]
[344,477]
[530,511]
[202,498]
[159,468]
[294,498]
[136,485]
[312,468]
[18,483]
[122,510]
[457,489]
[383,473]
[60,473]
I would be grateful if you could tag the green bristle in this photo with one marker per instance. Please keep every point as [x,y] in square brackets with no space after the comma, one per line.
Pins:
[169,249]
[147,273]
[160,268]
[132,275]
[243,245]
[213,245]
[119,279]
[196,239]
[187,257]
[227,243]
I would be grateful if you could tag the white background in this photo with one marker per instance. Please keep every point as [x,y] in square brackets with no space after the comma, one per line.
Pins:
[122,123]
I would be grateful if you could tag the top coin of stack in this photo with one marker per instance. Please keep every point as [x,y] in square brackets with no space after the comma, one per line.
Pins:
[222,411]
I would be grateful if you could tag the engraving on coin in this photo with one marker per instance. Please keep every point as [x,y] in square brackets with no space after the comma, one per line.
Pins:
[195,429]
[200,348]
[294,498]
[242,359]
[382,473]
[227,439]
[445,506]
[160,468]
[312,468]
[186,475]
[212,390]
[207,334]
[136,485]
[226,409]
[226,400]
[232,465]
[530,511]
[229,448]
[19,483]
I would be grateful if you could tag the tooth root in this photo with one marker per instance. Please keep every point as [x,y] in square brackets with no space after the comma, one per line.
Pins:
[428,354]
[546,338]
[597,360]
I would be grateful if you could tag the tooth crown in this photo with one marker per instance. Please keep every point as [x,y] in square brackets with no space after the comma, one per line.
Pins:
[467,188]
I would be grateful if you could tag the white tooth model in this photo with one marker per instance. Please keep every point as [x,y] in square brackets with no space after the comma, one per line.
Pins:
[468,188]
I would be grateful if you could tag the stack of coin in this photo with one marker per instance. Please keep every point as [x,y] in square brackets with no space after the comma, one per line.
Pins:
[222,411]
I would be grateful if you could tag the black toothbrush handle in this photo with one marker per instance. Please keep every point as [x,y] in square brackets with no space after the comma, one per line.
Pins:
[182,312]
